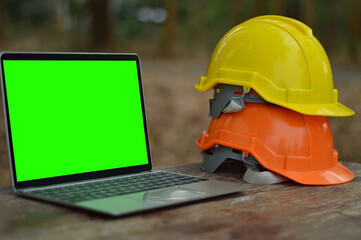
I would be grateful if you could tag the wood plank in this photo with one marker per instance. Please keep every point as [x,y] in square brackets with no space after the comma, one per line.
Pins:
[284,211]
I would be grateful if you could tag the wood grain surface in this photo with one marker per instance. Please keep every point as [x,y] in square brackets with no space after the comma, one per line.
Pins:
[280,211]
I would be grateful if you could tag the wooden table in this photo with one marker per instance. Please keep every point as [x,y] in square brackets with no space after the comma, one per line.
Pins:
[282,211]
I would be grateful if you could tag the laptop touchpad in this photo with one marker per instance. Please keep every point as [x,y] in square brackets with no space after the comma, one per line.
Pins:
[173,195]
[143,200]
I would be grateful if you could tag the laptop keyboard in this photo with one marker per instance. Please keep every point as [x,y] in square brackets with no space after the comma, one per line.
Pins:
[115,187]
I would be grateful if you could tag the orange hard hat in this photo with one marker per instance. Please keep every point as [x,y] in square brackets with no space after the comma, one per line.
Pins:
[296,146]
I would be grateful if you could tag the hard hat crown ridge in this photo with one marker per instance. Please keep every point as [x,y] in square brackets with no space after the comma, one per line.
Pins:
[281,60]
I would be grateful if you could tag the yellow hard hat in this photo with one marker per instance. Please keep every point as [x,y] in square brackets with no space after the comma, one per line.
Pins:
[281,60]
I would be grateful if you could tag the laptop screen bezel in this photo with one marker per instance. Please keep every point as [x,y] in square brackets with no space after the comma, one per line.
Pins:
[81,176]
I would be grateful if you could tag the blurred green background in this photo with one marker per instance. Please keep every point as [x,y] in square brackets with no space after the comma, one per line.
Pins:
[175,39]
[161,28]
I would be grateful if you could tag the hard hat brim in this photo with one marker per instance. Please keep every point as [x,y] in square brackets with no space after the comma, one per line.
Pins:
[334,175]
[334,110]
[331,110]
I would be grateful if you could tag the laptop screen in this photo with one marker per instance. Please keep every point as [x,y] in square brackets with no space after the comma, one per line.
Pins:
[74,116]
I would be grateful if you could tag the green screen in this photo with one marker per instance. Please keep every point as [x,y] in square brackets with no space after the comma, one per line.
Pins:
[73,116]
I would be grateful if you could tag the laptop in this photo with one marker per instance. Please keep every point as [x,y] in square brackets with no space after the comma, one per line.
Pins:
[77,135]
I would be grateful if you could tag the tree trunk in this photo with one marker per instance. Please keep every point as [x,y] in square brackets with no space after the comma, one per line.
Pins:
[308,13]
[101,25]
[2,21]
[236,8]
[278,7]
[354,29]
[169,37]
[58,17]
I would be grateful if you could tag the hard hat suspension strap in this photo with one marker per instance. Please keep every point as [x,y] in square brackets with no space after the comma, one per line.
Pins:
[231,98]
[255,174]
[215,156]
